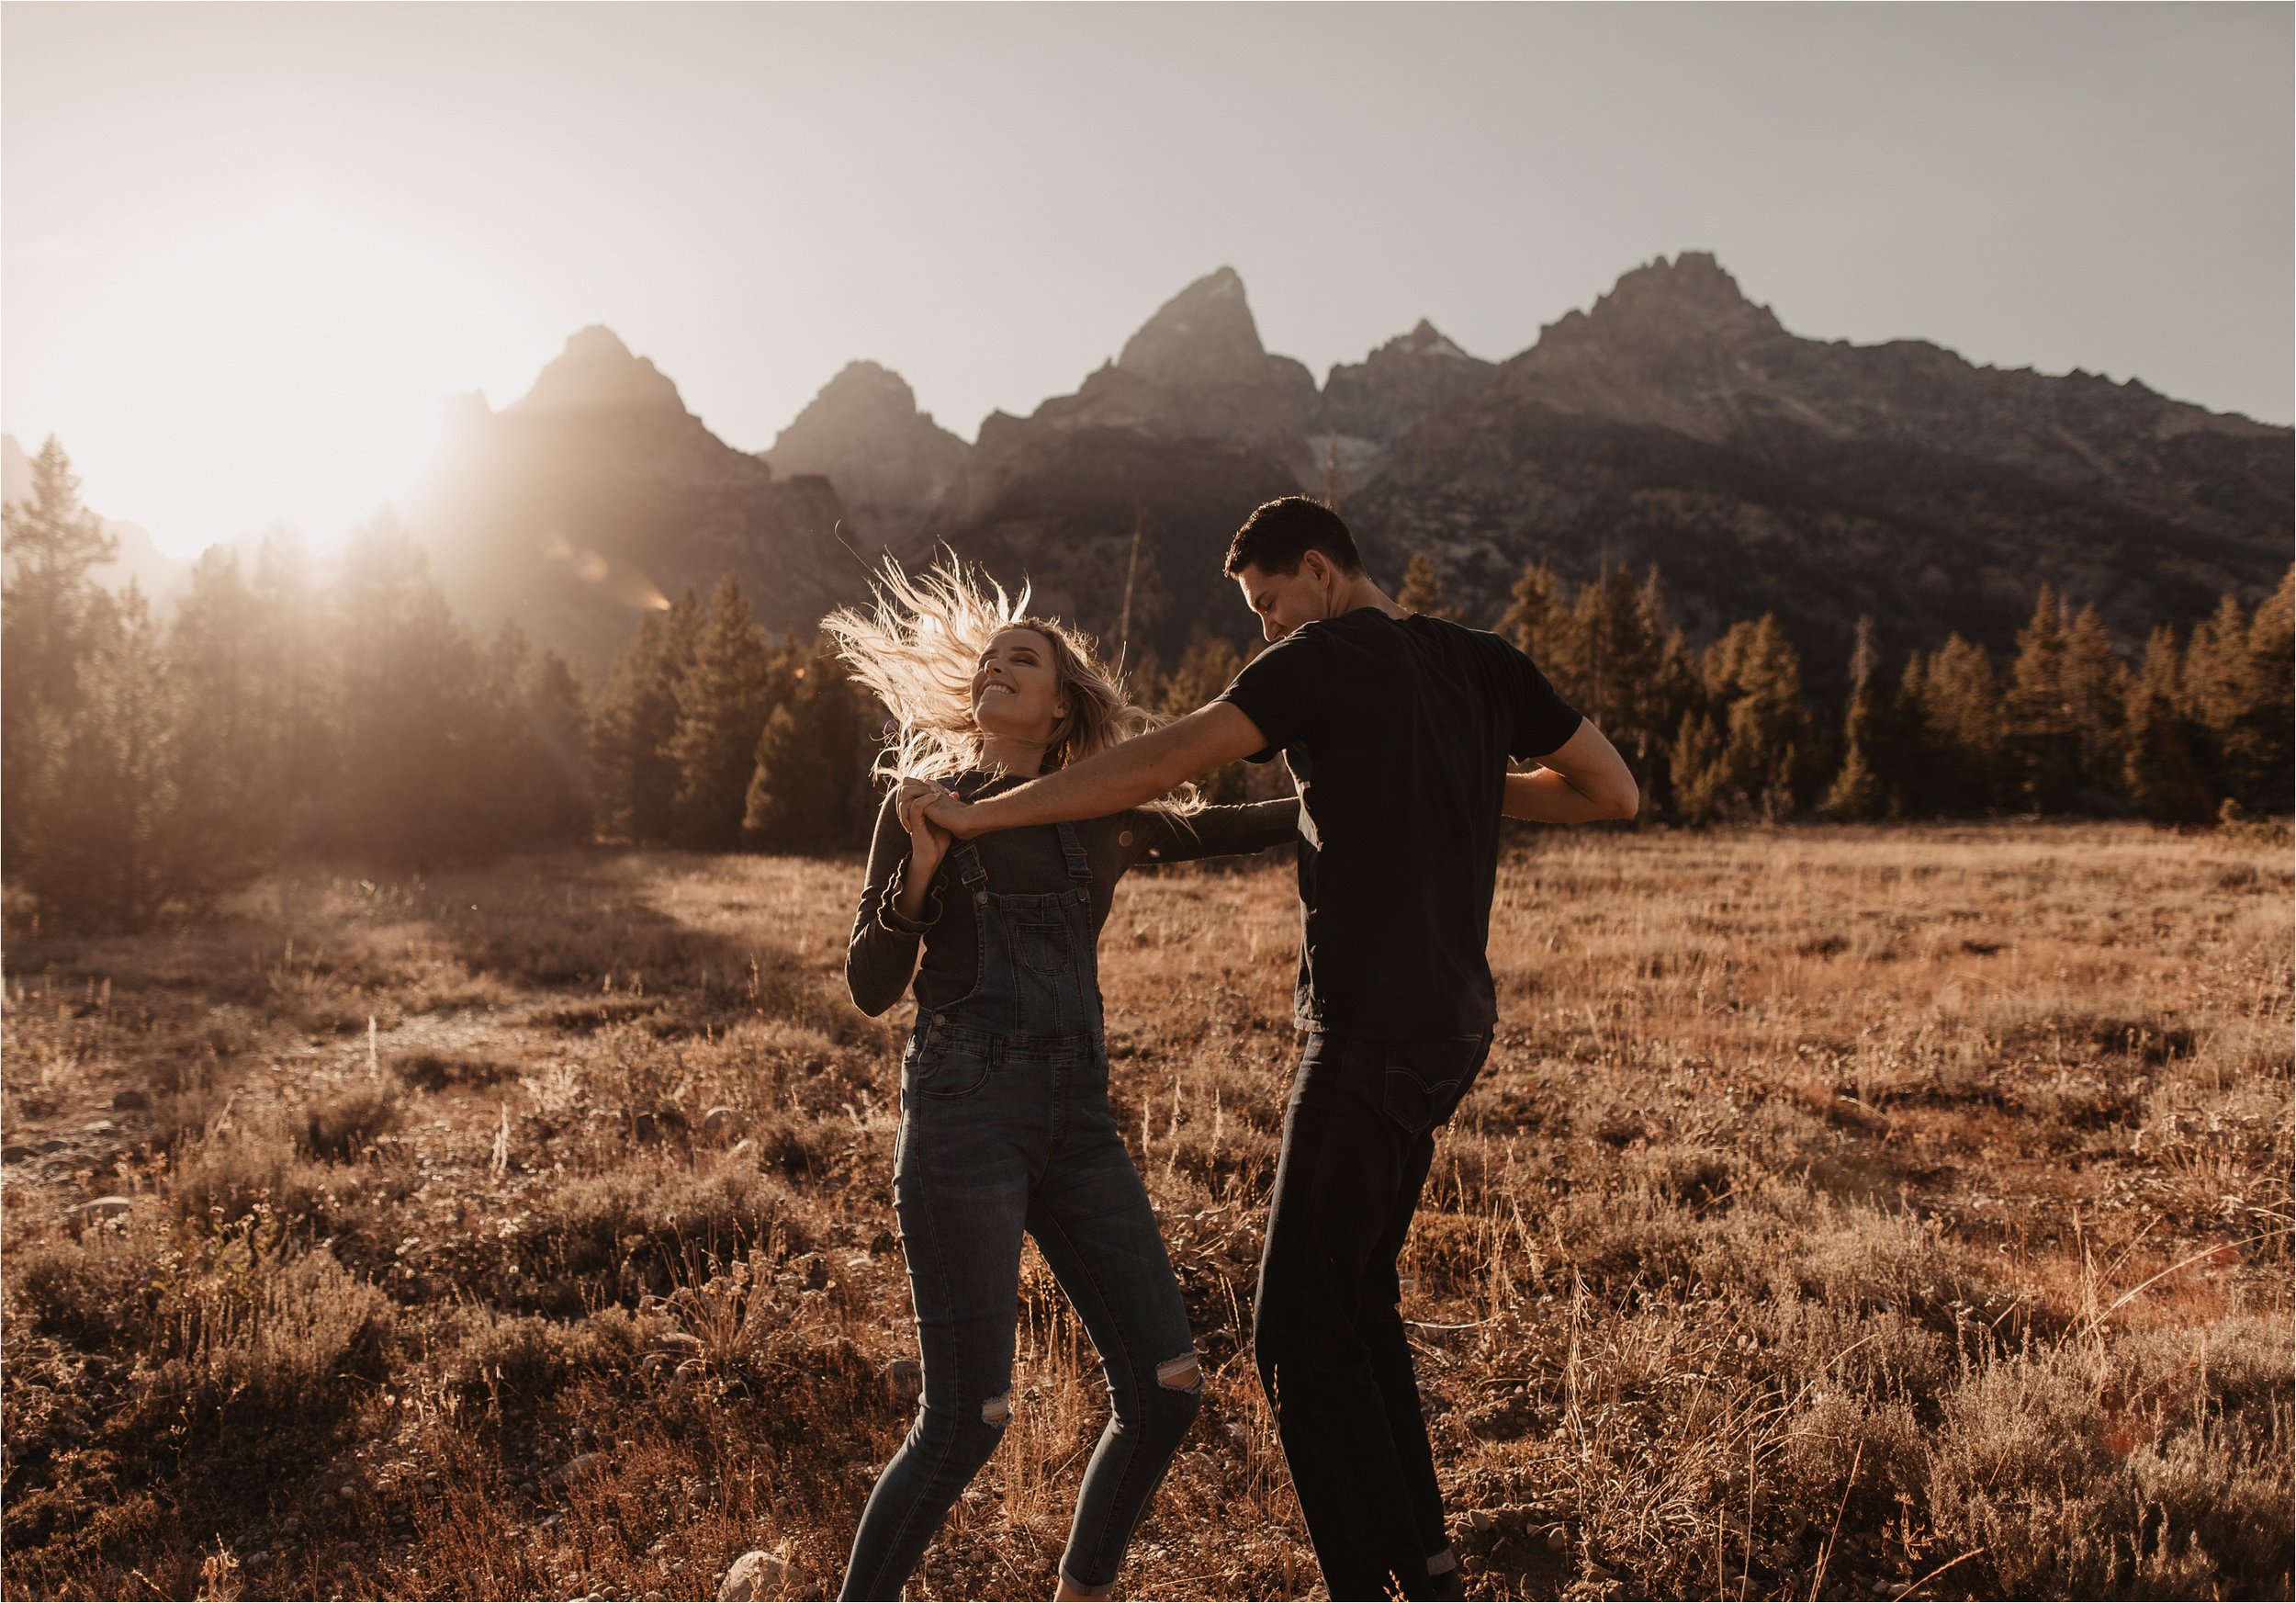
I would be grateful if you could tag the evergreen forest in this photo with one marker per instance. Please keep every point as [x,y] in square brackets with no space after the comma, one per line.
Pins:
[148,766]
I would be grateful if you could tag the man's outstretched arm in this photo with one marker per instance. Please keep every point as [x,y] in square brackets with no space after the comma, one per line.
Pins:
[1584,781]
[1138,771]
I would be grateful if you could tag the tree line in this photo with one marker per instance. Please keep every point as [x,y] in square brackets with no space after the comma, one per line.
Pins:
[2198,728]
[145,765]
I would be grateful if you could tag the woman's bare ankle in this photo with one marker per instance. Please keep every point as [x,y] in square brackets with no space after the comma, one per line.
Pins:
[1066,1591]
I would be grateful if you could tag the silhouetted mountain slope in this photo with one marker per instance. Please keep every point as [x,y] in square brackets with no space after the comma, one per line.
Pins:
[1679,423]
[1065,523]
[596,495]
[1369,405]
[1192,426]
[1675,423]
[1194,372]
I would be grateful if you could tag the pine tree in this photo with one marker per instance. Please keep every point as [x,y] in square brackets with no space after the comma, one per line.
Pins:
[810,790]
[225,798]
[2214,691]
[1421,590]
[52,606]
[724,700]
[2159,776]
[415,778]
[2094,684]
[540,789]
[1538,621]
[52,615]
[2270,719]
[633,775]
[1700,776]
[298,691]
[108,850]
[2038,743]
[1957,702]
[1753,682]
[2236,693]
[1632,674]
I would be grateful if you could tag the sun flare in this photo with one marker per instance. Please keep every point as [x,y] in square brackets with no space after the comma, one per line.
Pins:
[293,372]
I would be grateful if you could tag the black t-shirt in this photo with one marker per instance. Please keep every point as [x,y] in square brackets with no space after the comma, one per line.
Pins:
[1399,731]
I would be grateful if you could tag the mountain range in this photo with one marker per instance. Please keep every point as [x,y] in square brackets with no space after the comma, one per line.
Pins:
[1674,423]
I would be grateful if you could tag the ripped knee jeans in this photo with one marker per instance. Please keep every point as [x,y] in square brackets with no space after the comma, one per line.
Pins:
[1004,1134]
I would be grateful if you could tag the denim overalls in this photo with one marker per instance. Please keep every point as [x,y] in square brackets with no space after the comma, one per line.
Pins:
[1005,1127]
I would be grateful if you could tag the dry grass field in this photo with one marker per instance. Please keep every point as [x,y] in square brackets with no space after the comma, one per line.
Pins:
[1844,1213]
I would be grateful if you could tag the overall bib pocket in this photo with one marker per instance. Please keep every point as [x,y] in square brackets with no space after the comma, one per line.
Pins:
[1042,948]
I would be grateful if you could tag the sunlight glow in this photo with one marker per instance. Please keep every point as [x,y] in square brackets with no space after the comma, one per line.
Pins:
[297,371]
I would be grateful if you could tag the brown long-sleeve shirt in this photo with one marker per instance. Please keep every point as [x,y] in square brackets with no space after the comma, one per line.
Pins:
[883,953]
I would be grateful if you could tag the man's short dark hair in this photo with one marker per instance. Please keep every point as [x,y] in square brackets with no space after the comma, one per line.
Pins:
[1278,532]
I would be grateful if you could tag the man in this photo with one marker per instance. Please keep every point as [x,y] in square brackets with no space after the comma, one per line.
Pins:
[1399,729]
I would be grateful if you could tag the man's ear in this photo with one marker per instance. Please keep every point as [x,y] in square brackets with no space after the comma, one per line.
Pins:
[1315,566]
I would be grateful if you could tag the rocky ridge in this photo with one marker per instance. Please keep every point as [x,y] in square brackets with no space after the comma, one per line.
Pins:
[1677,423]
[889,462]
[598,495]
[1674,421]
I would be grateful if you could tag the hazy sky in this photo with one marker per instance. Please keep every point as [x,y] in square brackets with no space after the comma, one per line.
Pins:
[243,246]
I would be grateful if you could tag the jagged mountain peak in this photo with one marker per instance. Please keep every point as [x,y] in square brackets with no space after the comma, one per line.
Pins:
[863,395]
[866,377]
[1204,334]
[859,391]
[597,372]
[890,463]
[1692,294]
[1425,340]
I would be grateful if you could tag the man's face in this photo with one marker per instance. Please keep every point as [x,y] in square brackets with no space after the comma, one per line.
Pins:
[1285,600]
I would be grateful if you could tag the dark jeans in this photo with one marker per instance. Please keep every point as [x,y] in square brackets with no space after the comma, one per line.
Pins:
[1001,1133]
[1358,1134]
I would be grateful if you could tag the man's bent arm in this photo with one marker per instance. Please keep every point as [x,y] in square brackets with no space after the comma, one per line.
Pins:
[1125,775]
[1583,780]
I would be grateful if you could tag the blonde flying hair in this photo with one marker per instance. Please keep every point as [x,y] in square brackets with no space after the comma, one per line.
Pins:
[917,644]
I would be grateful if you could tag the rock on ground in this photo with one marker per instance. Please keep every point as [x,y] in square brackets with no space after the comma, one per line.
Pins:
[755,1575]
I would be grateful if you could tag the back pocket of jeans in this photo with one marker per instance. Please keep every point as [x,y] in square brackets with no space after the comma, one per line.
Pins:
[957,1069]
[1416,1105]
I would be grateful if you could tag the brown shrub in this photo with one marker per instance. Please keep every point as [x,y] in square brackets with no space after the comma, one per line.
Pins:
[621,1236]
[434,1072]
[339,1127]
[243,1164]
[256,1336]
[2162,1498]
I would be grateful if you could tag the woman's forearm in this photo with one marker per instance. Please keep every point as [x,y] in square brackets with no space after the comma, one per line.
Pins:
[917,886]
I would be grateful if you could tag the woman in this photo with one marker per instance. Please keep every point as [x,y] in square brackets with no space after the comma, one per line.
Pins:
[1005,1119]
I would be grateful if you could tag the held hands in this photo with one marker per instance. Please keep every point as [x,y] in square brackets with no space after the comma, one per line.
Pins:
[945,812]
[929,842]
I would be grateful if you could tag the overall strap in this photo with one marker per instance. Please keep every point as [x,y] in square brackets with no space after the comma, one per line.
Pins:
[1079,866]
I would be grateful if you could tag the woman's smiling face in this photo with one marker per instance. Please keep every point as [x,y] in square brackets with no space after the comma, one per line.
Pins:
[1016,689]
